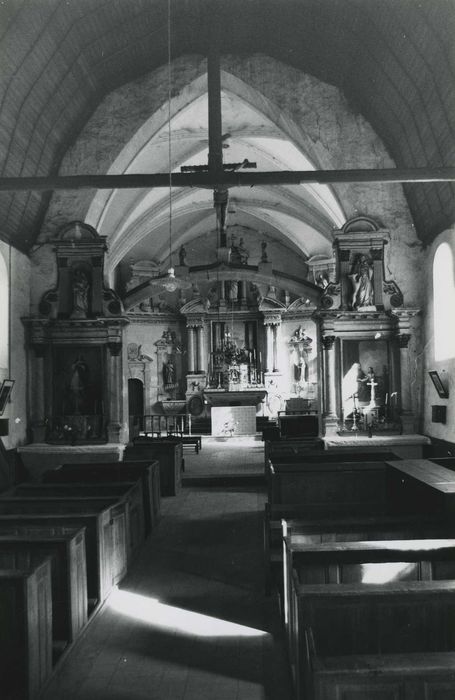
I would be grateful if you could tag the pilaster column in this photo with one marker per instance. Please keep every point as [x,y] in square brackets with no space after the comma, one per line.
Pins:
[344,257]
[407,415]
[377,255]
[200,349]
[274,347]
[38,395]
[222,288]
[330,386]
[115,389]
[243,304]
[191,350]
[269,348]
[404,329]
[272,321]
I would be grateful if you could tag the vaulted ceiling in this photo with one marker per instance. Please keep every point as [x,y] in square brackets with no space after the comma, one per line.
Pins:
[394,60]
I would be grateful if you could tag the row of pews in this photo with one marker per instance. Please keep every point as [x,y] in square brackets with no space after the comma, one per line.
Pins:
[361,550]
[64,544]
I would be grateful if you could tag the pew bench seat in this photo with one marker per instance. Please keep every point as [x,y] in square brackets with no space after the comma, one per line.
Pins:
[387,676]
[293,520]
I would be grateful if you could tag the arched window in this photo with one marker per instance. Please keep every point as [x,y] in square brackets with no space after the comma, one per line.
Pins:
[4,321]
[443,303]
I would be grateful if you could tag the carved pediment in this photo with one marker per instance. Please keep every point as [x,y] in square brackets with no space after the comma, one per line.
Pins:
[195,306]
[269,304]
[300,304]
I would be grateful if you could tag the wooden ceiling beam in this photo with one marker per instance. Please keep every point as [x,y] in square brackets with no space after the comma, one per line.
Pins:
[227,179]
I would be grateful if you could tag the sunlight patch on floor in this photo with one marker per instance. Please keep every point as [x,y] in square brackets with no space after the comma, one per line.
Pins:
[150,610]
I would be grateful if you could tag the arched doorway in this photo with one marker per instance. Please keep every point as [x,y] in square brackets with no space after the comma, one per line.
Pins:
[135,406]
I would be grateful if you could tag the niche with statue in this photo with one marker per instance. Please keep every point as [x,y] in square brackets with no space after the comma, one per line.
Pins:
[367,398]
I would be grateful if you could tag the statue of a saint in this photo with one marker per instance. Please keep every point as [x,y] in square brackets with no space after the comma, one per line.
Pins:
[182,256]
[78,386]
[362,283]
[243,252]
[264,257]
[169,373]
[80,294]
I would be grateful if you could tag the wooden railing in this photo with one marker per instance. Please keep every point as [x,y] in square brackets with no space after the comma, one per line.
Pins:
[159,425]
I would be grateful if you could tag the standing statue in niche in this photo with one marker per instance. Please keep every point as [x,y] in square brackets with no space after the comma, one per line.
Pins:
[243,252]
[362,283]
[264,257]
[169,373]
[78,386]
[182,256]
[81,287]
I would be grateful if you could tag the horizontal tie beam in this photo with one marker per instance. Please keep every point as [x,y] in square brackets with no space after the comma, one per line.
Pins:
[227,179]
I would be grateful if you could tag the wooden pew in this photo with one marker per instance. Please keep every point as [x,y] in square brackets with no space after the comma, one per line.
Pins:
[391,641]
[169,454]
[448,462]
[289,520]
[69,574]
[148,472]
[130,493]
[53,504]
[294,452]
[105,542]
[25,631]
[362,563]
[356,488]
[422,486]
[186,440]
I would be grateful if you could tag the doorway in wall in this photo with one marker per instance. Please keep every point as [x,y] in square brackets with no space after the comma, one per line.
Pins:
[135,406]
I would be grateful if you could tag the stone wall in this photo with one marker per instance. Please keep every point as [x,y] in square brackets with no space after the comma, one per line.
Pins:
[16,410]
[445,368]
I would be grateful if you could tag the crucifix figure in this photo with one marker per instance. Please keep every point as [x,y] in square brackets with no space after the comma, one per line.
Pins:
[372,384]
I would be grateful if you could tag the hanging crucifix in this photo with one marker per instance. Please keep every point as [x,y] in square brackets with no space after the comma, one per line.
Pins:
[215,166]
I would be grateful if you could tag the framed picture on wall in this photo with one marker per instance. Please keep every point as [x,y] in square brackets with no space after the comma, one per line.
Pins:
[5,392]
[438,385]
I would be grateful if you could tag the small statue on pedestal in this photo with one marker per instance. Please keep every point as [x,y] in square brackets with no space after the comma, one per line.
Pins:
[81,286]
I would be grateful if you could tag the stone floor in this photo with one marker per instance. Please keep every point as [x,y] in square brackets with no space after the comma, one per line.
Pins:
[190,620]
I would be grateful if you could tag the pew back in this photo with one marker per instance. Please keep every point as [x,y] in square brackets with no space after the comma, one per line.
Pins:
[147,471]
[105,566]
[354,620]
[69,574]
[130,493]
[295,452]
[350,488]
[25,631]
[169,454]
